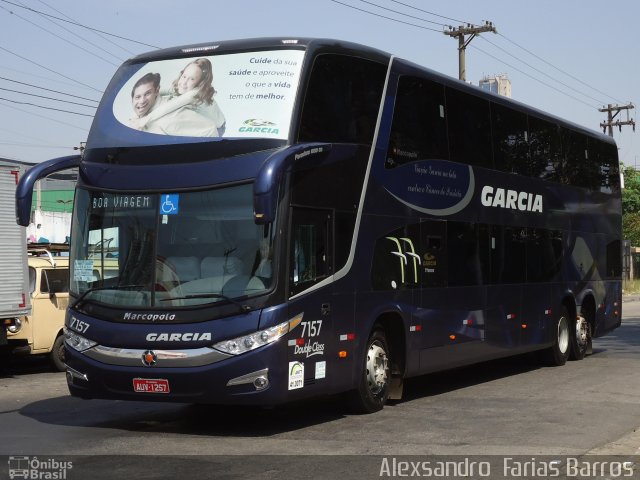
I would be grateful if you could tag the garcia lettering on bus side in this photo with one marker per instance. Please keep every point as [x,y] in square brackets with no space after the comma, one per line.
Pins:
[512,199]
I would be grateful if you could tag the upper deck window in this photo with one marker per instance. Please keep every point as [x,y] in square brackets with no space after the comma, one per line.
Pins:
[237,95]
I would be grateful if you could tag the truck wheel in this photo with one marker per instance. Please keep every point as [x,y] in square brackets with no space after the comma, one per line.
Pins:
[558,353]
[375,378]
[57,354]
[580,338]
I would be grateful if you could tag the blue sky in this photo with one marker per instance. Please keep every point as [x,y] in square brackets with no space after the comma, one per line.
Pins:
[585,53]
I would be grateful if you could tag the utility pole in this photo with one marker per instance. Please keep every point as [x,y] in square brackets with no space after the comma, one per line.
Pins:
[460,33]
[610,116]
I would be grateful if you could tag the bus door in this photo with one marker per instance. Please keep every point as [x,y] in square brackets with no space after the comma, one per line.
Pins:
[311,262]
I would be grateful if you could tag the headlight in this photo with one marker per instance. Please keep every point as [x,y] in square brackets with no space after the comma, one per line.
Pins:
[15,327]
[237,346]
[77,342]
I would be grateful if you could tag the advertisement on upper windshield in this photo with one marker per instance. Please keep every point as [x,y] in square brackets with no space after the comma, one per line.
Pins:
[247,94]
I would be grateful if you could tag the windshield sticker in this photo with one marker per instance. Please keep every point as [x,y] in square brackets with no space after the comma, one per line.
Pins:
[236,95]
[169,205]
[83,270]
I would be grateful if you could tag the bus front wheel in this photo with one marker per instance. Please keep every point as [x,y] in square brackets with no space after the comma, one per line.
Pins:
[558,353]
[375,378]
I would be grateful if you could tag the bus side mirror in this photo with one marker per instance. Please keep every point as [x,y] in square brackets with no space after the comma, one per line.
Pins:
[269,178]
[24,191]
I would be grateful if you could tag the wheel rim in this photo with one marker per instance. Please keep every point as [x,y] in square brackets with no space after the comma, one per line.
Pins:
[61,353]
[563,335]
[377,368]
[582,331]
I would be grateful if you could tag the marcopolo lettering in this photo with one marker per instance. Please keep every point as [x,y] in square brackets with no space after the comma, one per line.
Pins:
[513,199]
[178,337]
[150,317]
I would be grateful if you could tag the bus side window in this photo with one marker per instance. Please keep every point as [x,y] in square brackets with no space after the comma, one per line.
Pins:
[342,100]
[544,148]
[311,247]
[510,141]
[469,128]
[419,129]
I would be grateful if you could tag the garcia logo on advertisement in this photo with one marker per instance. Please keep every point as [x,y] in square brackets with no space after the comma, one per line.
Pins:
[512,199]
[258,125]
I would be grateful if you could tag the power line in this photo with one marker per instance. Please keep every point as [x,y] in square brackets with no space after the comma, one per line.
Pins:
[94,32]
[80,25]
[47,98]
[403,14]
[46,108]
[30,145]
[59,37]
[48,89]
[430,13]
[381,16]
[50,79]
[541,72]
[48,69]
[45,117]
[534,78]
[559,69]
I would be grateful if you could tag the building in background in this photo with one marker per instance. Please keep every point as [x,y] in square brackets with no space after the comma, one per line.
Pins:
[498,84]
[51,206]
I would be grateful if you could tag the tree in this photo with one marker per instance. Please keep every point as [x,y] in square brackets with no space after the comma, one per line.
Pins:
[631,205]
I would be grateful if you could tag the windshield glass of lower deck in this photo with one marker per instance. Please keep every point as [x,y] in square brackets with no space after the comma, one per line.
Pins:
[169,250]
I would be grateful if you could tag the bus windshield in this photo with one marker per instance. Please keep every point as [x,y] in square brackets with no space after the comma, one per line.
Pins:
[200,98]
[169,250]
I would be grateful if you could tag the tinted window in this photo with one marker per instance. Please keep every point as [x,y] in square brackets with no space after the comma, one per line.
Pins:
[510,145]
[544,148]
[469,129]
[396,260]
[544,254]
[419,129]
[311,256]
[605,156]
[579,168]
[508,254]
[342,100]
[468,254]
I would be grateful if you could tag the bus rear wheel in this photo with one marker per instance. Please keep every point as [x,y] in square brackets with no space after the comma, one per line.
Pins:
[580,338]
[375,379]
[558,353]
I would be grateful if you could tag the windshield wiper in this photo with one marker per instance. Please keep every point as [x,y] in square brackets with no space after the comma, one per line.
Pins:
[95,289]
[243,308]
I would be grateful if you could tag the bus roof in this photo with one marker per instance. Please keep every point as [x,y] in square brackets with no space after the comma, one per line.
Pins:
[295,43]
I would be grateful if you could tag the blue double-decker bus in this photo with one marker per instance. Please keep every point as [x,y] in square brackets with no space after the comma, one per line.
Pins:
[267,220]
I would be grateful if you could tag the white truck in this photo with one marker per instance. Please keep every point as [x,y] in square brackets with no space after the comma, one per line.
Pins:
[14,277]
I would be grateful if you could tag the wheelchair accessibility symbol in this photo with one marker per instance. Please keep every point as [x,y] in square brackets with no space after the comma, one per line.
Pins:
[170,204]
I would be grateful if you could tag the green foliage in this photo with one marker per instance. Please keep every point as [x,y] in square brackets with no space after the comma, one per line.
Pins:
[631,192]
[631,205]
[631,227]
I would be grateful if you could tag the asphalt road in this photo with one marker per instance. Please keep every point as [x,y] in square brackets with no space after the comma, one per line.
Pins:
[500,408]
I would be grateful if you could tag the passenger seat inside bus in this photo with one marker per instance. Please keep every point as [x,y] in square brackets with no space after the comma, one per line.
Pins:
[186,268]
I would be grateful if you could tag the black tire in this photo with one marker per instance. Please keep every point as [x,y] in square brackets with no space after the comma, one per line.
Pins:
[375,376]
[57,354]
[580,338]
[558,353]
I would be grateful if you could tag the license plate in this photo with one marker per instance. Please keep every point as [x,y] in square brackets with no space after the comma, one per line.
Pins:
[150,385]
